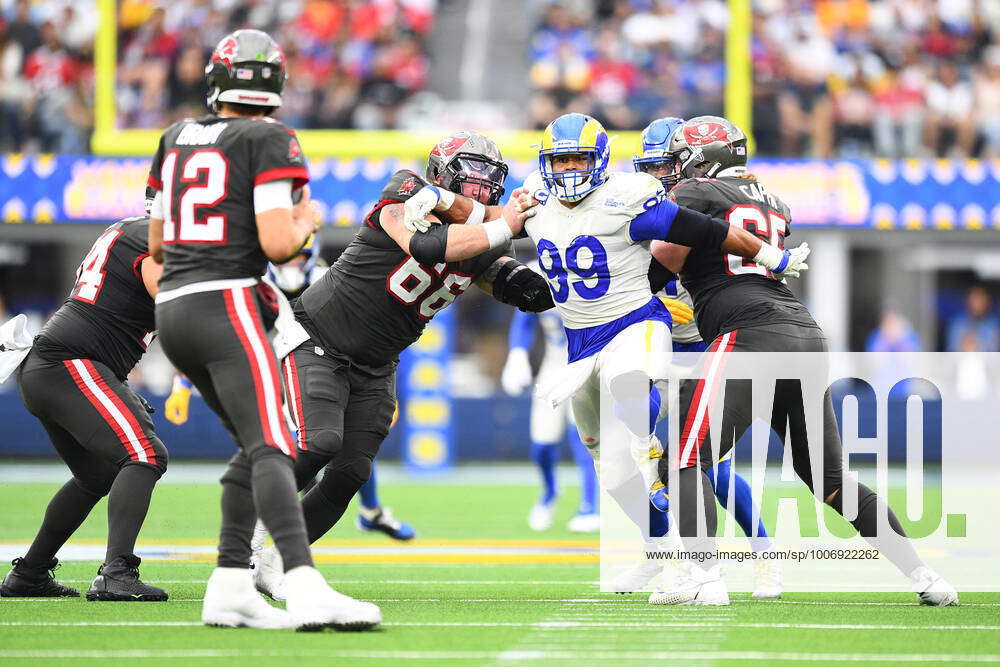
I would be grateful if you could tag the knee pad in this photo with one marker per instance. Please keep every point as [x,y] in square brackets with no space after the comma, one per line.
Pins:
[95,485]
[325,441]
[162,457]
[343,478]
[238,472]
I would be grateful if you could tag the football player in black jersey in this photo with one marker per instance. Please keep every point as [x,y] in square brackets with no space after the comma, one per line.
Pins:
[226,185]
[73,381]
[374,302]
[741,306]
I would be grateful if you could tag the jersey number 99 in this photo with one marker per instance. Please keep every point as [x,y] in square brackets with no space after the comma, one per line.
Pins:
[552,265]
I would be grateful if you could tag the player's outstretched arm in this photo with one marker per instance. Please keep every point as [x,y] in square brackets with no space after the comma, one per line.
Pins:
[666,221]
[513,283]
[446,206]
[453,242]
[283,227]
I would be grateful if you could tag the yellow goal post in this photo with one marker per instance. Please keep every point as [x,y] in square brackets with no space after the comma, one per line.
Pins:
[109,139]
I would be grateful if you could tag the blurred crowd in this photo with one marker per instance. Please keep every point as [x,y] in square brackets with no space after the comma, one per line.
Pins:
[46,75]
[886,78]
[351,63]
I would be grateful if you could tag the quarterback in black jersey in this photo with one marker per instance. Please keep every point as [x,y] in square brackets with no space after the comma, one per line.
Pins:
[73,381]
[741,306]
[225,185]
[351,325]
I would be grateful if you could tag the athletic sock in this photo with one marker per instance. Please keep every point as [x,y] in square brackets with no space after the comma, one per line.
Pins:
[238,515]
[588,476]
[66,511]
[691,483]
[633,499]
[369,492]
[545,457]
[277,502]
[128,504]
[743,506]
[895,545]
[322,508]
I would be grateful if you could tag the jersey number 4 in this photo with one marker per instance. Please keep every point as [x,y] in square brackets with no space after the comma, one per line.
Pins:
[90,275]
[768,226]
[411,282]
[203,183]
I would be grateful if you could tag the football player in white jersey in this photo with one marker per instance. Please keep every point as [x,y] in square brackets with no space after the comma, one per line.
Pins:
[592,230]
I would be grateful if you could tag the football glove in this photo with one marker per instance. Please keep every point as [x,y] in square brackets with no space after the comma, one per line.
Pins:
[679,311]
[796,262]
[419,206]
[176,407]
[516,376]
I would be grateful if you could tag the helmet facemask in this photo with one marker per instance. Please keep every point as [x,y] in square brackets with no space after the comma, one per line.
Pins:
[476,177]
[574,184]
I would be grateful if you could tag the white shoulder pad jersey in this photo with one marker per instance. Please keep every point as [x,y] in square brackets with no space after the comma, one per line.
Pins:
[597,273]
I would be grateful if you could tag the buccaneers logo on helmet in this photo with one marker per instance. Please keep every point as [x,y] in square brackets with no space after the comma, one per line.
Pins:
[705,133]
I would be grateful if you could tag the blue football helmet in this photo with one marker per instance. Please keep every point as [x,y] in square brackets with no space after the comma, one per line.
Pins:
[574,133]
[655,149]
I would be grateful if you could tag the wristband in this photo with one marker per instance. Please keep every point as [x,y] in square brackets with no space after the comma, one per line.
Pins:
[497,232]
[445,199]
[770,257]
[478,214]
[182,383]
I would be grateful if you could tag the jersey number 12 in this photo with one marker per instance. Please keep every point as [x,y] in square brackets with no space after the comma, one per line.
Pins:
[203,180]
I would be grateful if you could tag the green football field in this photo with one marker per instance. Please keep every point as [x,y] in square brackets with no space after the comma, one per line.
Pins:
[475,587]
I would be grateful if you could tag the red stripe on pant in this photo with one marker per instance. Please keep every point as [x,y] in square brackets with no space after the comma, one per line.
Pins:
[703,400]
[295,399]
[124,425]
[270,424]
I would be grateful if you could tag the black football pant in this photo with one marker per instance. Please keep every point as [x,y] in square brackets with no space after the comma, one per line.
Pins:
[342,415]
[696,452]
[218,340]
[102,431]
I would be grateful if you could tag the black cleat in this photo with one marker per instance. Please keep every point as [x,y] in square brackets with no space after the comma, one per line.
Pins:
[118,581]
[28,582]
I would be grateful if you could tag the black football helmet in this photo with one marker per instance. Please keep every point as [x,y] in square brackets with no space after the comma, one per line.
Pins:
[707,145]
[466,163]
[247,67]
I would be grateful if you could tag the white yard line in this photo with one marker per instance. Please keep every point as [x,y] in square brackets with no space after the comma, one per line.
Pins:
[556,625]
[512,655]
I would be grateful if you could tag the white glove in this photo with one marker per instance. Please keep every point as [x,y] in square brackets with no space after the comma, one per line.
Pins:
[417,207]
[796,261]
[516,376]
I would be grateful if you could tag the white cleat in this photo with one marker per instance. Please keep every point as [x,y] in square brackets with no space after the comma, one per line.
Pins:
[694,586]
[637,577]
[585,523]
[767,579]
[313,605]
[231,602]
[931,589]
[269,574]
[541,516]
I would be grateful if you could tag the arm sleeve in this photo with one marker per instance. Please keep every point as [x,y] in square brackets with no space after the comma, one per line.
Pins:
[515,284]
[666,221]
[277,155]
[156,209]
[272,194]
[522,330]
[659,276]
